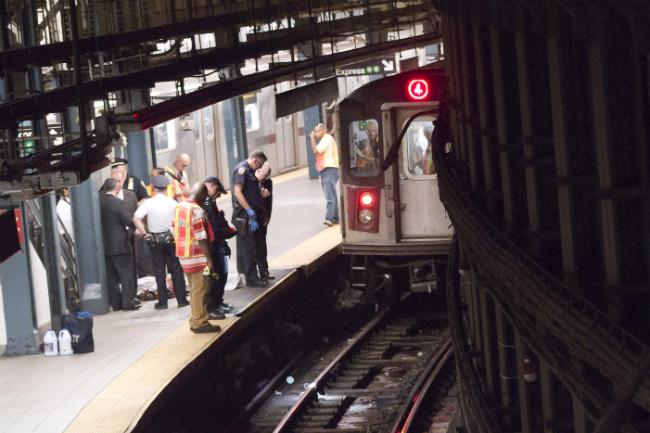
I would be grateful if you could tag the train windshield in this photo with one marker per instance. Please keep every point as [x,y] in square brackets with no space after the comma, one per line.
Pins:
[366,153]
[419,160]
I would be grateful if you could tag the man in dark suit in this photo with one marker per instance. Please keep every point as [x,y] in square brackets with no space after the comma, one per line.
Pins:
[143,263]
[117,249]
[131,202]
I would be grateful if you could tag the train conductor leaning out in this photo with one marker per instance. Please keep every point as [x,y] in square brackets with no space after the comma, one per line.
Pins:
[246,215]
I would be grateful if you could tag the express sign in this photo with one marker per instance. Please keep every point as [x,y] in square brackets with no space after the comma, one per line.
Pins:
[369,67]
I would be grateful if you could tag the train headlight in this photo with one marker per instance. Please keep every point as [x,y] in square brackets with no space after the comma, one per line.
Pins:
[366,216]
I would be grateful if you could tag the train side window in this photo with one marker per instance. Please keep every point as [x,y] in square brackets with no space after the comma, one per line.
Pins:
[365,148]
[419,160]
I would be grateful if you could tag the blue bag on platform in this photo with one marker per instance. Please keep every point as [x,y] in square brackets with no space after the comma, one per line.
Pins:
[80,326]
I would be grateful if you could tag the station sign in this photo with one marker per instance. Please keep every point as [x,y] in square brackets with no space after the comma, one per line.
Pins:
[385,65]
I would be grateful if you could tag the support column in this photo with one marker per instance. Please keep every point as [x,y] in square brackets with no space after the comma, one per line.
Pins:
[507,370]
[311,116]
[17,298]
[490,360]
[138,150]
[501,127]
[89,244]
[468,115]
[138,153]
[482,76]
[526,397]
[234,126]
[521,44]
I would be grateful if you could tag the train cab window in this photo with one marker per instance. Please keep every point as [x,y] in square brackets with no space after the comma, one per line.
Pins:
[419,160]
[365,148]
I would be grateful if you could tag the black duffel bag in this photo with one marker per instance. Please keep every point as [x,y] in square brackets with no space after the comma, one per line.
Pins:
[80,326]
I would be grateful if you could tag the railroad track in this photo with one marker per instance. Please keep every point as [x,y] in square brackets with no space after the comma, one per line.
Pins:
[370,383]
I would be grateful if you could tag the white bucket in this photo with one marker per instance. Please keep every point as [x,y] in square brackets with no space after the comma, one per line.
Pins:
[65,342]
[50,344]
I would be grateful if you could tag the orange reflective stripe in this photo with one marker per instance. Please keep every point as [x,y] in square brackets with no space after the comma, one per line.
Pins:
[175,221]
[188,230]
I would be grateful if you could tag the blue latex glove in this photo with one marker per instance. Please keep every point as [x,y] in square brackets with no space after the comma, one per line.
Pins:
[250,212]
[252,225]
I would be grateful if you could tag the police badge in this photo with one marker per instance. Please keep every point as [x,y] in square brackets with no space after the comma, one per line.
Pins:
[242,170]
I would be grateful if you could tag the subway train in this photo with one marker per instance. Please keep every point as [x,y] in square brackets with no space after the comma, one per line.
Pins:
[391,214]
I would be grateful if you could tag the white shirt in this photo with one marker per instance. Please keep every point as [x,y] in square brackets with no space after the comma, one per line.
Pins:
[159,211]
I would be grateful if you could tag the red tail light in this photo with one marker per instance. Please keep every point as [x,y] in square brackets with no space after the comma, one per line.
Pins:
[363,209]
[367,199]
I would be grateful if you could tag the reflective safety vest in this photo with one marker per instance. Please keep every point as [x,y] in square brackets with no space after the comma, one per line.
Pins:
[169,192]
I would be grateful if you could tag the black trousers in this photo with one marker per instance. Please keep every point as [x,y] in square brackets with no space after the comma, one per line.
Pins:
[261,250]
[247,252]
[120,272]
[143,258]
[217,287]
[164,259]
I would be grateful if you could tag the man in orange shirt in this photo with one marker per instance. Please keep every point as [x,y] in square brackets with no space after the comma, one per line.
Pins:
[327,163]
[191,235]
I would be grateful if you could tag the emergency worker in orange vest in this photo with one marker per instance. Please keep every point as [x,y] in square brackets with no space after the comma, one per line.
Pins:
[177,173]
[192,249]
[169,189]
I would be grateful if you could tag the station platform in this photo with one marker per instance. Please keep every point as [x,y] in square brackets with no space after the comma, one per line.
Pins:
[138,354]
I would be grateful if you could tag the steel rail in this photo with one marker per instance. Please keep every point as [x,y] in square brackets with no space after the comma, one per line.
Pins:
[421,390]
[311,392]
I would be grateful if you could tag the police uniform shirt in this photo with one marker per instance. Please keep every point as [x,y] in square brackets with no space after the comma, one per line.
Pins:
[136,185]
[159,211]
[245,176]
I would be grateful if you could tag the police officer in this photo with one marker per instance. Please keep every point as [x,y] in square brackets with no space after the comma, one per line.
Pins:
[132,183]
[247,204]
[220,231]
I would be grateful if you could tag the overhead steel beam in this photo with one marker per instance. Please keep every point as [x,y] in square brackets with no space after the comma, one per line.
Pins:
[58,99]
[19,59]
[164,111]
[375,20]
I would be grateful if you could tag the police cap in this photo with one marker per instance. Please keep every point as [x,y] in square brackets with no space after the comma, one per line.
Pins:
[116,162]
[159,182]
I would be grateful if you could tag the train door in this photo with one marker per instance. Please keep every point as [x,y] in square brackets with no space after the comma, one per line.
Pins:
[288,142]
[422,214]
